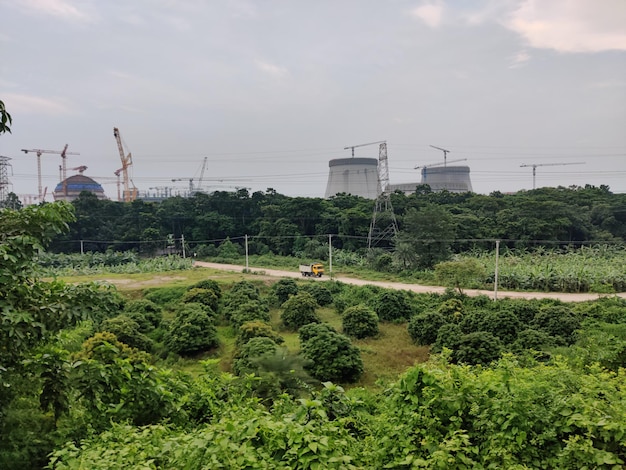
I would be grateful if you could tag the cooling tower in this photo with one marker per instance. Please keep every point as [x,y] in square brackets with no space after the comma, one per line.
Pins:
[455,179]
[356,176]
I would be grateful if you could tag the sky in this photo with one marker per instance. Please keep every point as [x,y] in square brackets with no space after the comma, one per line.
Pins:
[269,91]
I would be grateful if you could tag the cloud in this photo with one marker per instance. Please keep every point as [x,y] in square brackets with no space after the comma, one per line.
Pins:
[271,69]
[30,104]
[58,8]
[519,60]
[430,13]
[571,25]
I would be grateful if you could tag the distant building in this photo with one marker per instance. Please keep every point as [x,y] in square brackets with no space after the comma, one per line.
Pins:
[356,176]
[455,179]
[69,189]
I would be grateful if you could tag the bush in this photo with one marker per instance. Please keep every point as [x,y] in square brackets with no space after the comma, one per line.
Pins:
[283,289]
[423,328]
[127,331]
[254,348]
[530,339]
[191,331]
[360,321]
[393,306]
[307,332]
[503,324]
[208,284]
[558,321]
[332,357]
[252,310]
[452,310]
[299,310]
[202,296]
[480,347]
[320,293]
[145,312]
[256,329]
[448,336]
[241,292]
[164,295]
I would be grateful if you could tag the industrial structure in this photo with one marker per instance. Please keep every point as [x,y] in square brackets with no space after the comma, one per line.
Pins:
[70,188]
[384,226]
[535,165]
[356,176]
[130,191]
[64,153]
[4,179]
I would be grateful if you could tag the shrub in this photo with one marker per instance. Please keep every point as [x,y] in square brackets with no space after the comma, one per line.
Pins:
[208,284]
[360,321]
[254,348]
[250,311]
[241,292]
[558,321]
[320,293]
[299,310]
[283,289]
[530,339]
[256,329]
[503,324]
[448,336]
[392,306]
[452,310]
[479,347]
[145,312]
[164,295]
[191,331]
[202,296]
[127,331]
[307,332]
[332,357]
[423,328]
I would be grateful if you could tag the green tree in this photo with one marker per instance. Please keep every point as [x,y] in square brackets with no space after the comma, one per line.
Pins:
[460,274]
[192,331]
[359,321]
[332,357]
[299,310]
[392,305]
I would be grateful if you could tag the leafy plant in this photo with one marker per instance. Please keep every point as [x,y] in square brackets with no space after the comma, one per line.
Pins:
[392,305]
[479,347]
[360,321]
[299,310]
[192,331]
[332,357]
[423,328]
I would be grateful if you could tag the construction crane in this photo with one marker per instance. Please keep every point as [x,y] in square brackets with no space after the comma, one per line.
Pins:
[117,173]
[39,153]
[363,145]
[535,165]
[440,163]
[80,169]
[129,194]
[185,179]
[199,186]
[445,153]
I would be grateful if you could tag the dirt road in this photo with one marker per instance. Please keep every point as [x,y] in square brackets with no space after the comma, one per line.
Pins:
[565,297]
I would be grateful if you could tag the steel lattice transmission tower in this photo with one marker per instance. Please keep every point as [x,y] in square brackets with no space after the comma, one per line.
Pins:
[384,225]
[4,179]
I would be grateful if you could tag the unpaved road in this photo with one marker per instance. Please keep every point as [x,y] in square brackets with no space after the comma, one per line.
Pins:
[565,297]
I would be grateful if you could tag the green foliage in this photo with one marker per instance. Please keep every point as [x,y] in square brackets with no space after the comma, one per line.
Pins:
[164,295]
[146,313]
[355,295]
[127,331]
[360,321]
[503,324]
[192,331]
[313,329]
[452,310]
[283,289]
[423,328]
[479,347]
[320,293]
[392,305]
[205,297]
[448,336]
[460,274]
[299,310]
[332,356]
[255,329]
[240,293]
[249,311]
[254,348]
[558,321]
[209,284]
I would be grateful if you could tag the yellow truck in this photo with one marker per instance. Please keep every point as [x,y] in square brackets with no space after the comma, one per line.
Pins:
[308,270]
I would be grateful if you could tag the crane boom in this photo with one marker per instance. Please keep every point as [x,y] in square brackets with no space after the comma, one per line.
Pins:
[535,165]
[363,145]
[445,153]
[40,152]
[129,194]
[437,164]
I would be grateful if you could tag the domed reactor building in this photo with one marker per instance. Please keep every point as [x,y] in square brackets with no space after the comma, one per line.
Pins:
[70,188]
[356,176]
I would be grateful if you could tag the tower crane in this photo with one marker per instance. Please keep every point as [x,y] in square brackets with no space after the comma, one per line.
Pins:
[535,165]
[438,164]
[130,194]
[117,173]
[445,153]
[199,185]
[190,183]
[40,152]
[363,145]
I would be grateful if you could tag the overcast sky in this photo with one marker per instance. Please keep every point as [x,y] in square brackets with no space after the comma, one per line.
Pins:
[271,90]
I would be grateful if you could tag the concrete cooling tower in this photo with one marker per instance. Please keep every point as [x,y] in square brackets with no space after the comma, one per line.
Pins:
[356,176]
[455,179]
